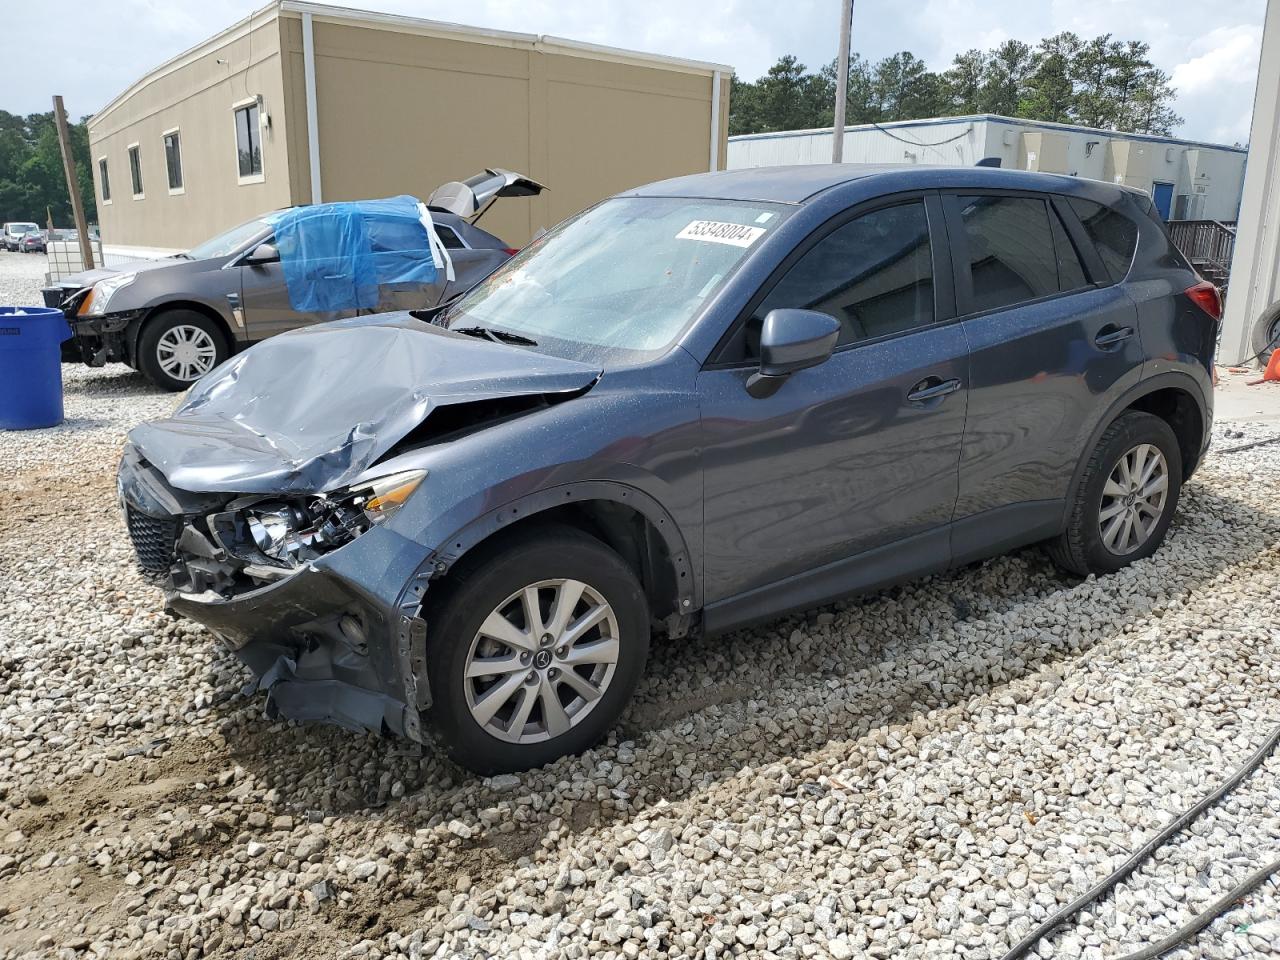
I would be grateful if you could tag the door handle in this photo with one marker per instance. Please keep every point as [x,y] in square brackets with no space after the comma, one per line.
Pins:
[1110,335]
[930,388]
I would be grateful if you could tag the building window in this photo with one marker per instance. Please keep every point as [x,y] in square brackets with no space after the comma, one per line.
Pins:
[173,160]
[135,169]
[104,181]
[248,142]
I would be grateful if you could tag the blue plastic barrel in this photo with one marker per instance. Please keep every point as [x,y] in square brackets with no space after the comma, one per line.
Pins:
[31,366]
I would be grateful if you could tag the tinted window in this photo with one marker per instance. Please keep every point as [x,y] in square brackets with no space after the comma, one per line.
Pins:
[173,160]
[1114,234]
[1011,255]
[135,171]
[248,141]
[874,274]
[448,238]
[1070,269]
[104,179]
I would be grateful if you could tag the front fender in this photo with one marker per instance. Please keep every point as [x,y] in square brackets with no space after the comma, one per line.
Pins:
[450,550]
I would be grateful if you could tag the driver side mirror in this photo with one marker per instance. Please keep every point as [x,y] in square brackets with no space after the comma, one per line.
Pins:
[791,340]
[262,253]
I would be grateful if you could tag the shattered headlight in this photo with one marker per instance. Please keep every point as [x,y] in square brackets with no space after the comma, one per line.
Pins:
[293,532]
[95,304]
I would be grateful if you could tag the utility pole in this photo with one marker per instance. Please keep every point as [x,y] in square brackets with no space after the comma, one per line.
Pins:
[73,187]
[842,81]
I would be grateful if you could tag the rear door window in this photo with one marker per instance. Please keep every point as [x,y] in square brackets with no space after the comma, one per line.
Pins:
[1114,235]
[1071,275]
[1011,256]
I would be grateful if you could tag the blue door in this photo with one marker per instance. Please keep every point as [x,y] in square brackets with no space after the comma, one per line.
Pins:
[1162,196]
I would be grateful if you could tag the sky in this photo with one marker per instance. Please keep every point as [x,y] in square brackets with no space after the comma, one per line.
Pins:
[1209,49]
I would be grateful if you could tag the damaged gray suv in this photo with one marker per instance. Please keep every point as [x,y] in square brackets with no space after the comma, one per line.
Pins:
[696,405]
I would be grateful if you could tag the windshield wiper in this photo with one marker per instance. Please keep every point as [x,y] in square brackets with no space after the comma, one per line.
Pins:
[497,335]
[182,256]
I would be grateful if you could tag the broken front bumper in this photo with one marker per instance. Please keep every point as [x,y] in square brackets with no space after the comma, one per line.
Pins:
[338,639]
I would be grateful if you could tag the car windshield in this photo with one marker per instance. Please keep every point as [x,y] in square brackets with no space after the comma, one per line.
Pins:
[18,229]
[227,242]
[620,281]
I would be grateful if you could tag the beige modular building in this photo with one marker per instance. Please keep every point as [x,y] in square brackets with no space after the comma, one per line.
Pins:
[303,102]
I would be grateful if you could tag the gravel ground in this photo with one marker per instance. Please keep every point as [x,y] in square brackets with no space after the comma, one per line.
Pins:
[922,773]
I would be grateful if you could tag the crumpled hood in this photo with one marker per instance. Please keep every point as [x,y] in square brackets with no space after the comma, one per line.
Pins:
[310,410]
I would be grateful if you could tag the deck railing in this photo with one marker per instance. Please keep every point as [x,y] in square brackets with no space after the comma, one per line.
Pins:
[1208,244]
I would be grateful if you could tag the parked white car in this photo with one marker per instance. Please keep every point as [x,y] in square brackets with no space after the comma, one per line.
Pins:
[14,231]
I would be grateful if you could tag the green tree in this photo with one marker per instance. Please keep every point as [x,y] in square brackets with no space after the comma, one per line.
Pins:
[1004,85]
[32,182]
[1103,82]
[1049,92]
[964,82]
[860,104]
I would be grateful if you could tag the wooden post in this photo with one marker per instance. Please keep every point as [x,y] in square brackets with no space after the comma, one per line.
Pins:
[842,81]
[73,187]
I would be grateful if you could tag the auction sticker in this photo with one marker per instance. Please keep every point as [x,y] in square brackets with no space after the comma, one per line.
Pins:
[714,231]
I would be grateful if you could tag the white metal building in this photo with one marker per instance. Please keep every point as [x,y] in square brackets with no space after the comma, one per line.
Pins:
[1188,180]
[1251,320]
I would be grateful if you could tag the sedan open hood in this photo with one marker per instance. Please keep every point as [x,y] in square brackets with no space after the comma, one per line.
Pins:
[468,197]
[309,411]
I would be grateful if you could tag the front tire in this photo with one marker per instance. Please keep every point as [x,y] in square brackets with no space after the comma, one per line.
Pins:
[178,347]
[535,650]
[1126,498]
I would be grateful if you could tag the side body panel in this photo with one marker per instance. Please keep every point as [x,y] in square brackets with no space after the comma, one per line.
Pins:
[264,298]
[837,462]
[1177,335]
[1044,373]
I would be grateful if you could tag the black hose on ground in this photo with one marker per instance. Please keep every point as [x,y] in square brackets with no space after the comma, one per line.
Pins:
[1249,446]
[1202,920]
[1102,888]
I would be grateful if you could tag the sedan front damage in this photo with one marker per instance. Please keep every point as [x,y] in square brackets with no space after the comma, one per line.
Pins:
[286,549]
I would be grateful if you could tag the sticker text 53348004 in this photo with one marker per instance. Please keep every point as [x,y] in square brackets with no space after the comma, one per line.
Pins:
[715,231]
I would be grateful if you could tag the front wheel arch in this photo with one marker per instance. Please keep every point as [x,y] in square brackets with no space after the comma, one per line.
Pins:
[557,504]
[159,310]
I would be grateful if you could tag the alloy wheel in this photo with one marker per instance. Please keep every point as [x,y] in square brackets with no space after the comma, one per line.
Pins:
[186,352]
[1133,499]
[541,661]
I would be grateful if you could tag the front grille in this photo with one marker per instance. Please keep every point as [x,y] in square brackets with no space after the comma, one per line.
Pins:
[153,539]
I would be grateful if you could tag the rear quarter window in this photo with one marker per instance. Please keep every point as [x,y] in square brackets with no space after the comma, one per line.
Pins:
[1113,234]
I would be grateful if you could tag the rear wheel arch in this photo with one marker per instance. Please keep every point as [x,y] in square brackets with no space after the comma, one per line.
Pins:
[1174,397]
[626,519]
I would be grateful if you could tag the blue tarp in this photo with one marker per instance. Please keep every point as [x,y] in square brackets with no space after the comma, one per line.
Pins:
[336,256]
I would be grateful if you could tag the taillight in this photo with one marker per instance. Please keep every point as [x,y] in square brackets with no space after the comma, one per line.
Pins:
[1206,296]
[510,251]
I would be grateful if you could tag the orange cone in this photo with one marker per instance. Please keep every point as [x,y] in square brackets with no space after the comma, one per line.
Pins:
[1273,367]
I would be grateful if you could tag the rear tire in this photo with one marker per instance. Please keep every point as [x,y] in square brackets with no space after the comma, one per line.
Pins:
[1117,518]
[492,700]
[178,347]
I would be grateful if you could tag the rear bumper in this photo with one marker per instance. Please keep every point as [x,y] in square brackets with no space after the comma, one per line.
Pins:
[332,641]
